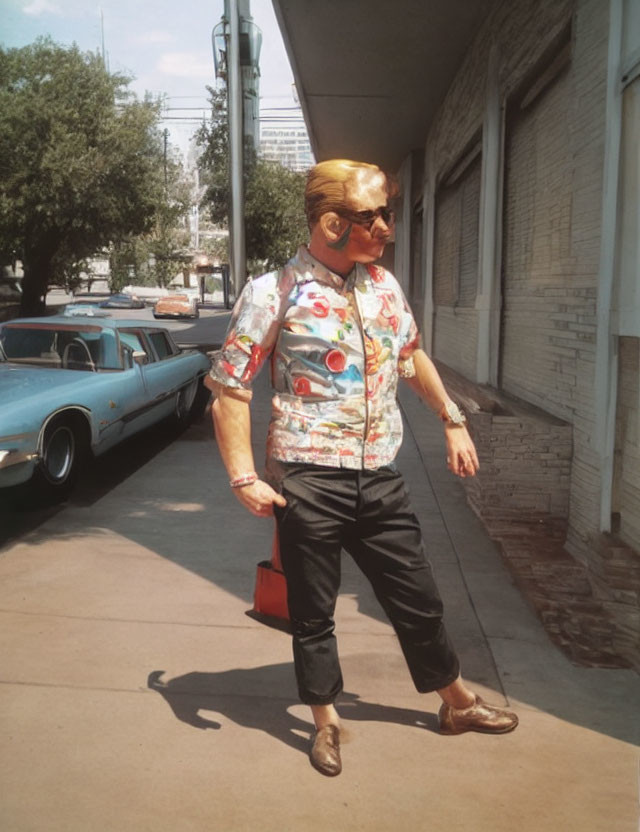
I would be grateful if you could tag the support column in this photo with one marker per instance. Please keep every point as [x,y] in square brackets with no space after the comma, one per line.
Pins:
[488,298]
[402,260]
[428,235]
[606,373]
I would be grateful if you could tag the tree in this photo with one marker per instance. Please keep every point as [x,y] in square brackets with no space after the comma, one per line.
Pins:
[80,162]
[154,258]
[275,223]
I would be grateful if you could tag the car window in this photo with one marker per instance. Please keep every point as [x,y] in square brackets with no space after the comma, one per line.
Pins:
[162,345]
[64,347]
[134,339]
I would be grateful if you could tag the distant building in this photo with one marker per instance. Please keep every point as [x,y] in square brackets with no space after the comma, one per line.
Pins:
[288,145]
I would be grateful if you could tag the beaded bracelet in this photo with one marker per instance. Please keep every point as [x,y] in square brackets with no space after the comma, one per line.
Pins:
[243,479]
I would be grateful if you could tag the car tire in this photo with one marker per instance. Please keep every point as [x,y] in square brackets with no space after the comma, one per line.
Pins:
[64,446]
[199,406]
[191,403]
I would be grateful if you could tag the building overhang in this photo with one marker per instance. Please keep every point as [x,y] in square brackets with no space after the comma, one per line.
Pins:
[371,76]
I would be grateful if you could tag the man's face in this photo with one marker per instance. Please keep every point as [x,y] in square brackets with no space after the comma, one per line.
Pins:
[367,192]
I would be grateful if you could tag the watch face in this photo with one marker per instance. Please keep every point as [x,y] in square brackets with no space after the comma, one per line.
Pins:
[455,414]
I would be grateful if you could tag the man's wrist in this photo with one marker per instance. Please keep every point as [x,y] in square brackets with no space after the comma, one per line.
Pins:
[241,480]
[451,415]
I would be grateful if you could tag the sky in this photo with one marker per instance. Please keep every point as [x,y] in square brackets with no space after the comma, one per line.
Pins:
[165,46]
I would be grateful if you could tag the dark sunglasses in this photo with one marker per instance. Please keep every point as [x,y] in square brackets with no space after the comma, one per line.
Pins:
[368,218]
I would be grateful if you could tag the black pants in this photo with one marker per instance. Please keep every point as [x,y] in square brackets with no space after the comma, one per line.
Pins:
[368,514]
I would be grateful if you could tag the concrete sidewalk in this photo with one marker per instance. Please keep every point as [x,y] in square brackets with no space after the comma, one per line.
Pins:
[137,694]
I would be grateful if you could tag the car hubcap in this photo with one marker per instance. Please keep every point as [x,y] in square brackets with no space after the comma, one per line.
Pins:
[186,398]
[58,454]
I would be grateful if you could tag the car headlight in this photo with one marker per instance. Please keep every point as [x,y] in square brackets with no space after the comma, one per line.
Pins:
[4,455]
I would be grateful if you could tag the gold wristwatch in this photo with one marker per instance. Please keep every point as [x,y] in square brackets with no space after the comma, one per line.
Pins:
[451,414]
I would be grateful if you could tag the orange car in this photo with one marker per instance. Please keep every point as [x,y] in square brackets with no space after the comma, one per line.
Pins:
[176,306]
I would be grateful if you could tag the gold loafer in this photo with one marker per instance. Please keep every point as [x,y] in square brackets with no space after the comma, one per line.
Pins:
[325,751]
[488,719]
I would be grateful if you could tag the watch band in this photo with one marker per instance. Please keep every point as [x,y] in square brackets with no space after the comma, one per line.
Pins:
[451,414]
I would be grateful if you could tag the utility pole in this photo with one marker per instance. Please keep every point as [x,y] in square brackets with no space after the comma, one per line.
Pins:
[234,92]
[240,70]
[166,182]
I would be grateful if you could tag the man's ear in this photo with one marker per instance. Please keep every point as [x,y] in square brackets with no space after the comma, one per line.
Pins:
[333,227]
[336,230]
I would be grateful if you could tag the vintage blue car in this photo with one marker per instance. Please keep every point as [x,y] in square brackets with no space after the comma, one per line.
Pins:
[71,386]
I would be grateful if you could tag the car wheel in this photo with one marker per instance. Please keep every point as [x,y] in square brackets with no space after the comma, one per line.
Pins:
[200,402]
[184,402]
[191,403]
[63,447]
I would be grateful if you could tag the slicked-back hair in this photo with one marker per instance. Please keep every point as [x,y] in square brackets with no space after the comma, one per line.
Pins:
[326,186]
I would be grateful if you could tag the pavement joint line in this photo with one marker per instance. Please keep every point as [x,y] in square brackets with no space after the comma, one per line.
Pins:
[147,690]
[126,620]
[455,550]
[60,685]
[390,635]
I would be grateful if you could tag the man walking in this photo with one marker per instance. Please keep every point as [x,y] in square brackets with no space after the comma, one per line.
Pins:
[339,334]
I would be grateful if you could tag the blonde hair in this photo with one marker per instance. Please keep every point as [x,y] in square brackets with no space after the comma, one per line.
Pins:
[326,186]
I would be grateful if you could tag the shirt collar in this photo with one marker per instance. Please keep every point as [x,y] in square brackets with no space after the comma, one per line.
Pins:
[307,268]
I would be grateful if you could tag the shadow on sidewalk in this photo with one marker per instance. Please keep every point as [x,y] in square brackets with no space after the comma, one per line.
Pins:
[243,696]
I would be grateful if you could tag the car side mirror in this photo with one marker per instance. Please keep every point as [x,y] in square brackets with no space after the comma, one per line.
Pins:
[127,357]
[140,357]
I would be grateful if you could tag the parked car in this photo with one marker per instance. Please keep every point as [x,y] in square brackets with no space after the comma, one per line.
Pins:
[176,306]
[10,297]
[75,386]
[91,310]
[122,301]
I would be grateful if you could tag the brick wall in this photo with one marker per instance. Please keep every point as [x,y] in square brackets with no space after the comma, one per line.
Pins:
[525,465]
[551,225]
[454,338]
[626,498]
[551,241]
[521,493]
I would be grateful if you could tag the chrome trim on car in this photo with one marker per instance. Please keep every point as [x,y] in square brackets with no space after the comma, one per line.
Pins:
[15,457]
[15,437]
[73,408]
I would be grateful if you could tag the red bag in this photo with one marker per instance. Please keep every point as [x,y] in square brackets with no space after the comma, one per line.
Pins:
[270,596]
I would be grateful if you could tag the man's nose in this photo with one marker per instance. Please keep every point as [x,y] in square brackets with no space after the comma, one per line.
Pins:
[381,228]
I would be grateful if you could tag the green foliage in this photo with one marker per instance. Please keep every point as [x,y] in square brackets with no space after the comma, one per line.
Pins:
[275,220]
[216,247]
[154,258]
[80,162]
[275,223]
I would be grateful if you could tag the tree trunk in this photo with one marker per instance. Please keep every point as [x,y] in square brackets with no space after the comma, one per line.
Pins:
[34,286]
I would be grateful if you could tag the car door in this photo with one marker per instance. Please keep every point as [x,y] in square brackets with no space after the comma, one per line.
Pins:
[162,368]
[155,401]
[170,371]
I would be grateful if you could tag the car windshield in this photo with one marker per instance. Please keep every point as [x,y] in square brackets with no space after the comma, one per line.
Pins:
[67,347]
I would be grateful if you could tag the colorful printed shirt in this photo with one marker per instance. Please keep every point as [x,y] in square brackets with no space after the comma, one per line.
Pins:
[335,345]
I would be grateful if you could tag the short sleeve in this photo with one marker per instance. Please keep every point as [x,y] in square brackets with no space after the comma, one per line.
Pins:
[408,331]
[251,335]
